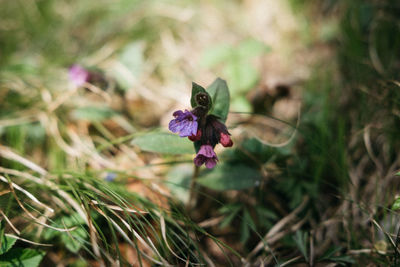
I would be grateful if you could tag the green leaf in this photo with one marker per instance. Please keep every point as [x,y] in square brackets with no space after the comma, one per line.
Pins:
[246,225]
[129,65]
[195,90]
[241,75]
[21,257]
[330,253]
[231,210]
[132,57]
[251,48]
[230,177]
[74,240]
[219,93]
[265,214]
[242,104]
[396,204]
[93,113]
[301,241]
[6,243]
[163,143]
[398,174]
[215,55]
[69,221]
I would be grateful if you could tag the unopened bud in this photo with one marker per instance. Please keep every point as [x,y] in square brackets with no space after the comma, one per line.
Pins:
[203,99]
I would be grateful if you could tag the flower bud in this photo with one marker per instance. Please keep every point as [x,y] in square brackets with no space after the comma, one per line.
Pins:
[225,140]
[203,99]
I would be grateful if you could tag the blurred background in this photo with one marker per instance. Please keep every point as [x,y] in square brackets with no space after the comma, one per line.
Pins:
[314,115]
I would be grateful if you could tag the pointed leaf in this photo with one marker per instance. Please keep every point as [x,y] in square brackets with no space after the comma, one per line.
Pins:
[219,93]
[232,212]
[6,243]
[247,225]
[163,143]
[301,241]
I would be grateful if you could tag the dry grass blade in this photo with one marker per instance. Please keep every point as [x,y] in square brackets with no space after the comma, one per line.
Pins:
[36,220]
[124,235]
[29,195]
[164,235]
[74,204]
[93,239]
[368,146]
[118,208]
[28,241]
[290,139]
[22,174]
[9,223]
[17,121]
[9,154]
[277,227]
[388,235]
[286,263]
[5,192]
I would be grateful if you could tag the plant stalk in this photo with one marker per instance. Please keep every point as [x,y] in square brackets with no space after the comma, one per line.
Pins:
[192,193]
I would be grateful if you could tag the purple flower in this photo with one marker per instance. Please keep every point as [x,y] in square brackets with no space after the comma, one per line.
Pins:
[185,123]
[206,155]
[78,75]
[110,176]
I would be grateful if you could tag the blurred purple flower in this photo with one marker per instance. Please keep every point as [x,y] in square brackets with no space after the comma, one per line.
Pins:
[110,176]
[78,75]
[206,155]
[185,123]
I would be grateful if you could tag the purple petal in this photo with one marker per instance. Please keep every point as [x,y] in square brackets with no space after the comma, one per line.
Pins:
[206,155]
[194,117]
[199,160]
[194,128]
[175,126]
[177,113]
[207,151]
[210,163]
[186,129]
[189,127]
[185,123]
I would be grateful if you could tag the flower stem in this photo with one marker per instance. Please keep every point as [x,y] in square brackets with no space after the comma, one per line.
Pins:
[192,193]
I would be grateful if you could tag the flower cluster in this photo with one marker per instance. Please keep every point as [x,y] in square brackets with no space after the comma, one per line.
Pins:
[205,129]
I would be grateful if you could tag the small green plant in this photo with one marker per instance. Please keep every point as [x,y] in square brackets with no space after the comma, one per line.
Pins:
[16,256]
